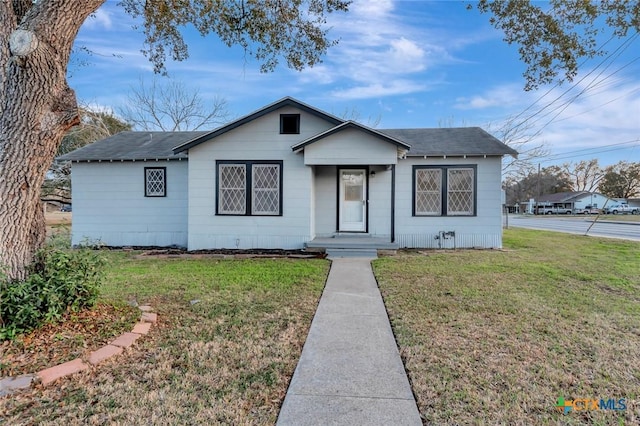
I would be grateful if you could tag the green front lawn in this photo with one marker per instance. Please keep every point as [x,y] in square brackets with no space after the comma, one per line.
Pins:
[496,337]
[229,336]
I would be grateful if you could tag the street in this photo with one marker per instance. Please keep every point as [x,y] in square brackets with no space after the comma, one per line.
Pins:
[603,227]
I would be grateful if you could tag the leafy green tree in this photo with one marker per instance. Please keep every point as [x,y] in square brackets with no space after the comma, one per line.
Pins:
[549,180]
[554,36]
[37,106]
[622,180]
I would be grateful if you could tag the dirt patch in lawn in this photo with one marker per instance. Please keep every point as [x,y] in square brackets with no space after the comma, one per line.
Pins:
[58,218]
[74,336]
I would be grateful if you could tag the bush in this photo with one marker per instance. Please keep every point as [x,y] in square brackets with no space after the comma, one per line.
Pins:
[59,281]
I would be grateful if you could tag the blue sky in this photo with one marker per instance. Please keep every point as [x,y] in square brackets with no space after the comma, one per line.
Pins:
[408,63]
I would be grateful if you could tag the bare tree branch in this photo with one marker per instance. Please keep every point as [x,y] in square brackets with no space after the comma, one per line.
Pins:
[172,107]
[585,175]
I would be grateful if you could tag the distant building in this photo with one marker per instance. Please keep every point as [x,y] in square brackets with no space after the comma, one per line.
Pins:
[571,201]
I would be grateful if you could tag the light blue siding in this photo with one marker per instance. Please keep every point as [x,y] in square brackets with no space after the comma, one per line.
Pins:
[257,140]
[110,207]
[350,147]
[481,231]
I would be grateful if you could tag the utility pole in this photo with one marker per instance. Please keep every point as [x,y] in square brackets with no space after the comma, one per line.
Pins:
[539,194]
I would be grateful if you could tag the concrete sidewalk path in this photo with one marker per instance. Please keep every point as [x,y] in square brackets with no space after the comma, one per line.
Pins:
[350,371]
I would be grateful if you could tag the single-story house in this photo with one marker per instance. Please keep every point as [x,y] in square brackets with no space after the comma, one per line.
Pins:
[576,200]
[285,176]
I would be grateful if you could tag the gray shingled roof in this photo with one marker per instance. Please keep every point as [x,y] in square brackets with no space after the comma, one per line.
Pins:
[450,141]
[127,146]
[562,197]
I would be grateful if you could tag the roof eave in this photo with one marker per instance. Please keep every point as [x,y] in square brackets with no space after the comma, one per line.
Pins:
[349,124]
[458,154]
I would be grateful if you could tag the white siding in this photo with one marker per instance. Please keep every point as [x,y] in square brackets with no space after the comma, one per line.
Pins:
[380,202]
[110,207]
[483,230]
[350,147]
[257,140]
[596,199]
[326,200]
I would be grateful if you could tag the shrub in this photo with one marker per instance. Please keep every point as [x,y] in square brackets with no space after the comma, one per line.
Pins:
[59,281]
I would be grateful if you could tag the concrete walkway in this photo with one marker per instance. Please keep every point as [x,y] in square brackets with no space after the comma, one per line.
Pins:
[350,371]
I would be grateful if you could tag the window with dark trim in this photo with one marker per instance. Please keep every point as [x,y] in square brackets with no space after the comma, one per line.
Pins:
[155,181]
[444,190]
[249,188]
[289,124]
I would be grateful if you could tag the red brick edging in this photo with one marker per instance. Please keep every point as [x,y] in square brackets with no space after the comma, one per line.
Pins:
[10,385]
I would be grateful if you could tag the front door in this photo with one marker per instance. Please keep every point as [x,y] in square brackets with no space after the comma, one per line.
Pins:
[353,200]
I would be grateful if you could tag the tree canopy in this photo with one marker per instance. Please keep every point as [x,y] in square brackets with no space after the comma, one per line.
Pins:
[266,29]
[621,180]
[37,106]
[548,180]
[554,36]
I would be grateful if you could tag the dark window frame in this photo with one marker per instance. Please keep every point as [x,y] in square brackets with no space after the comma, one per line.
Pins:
[249,186]
[164,182]
[444,190]
[288,128]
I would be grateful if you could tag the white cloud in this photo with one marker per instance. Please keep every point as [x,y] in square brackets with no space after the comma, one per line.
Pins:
[371,7]
[603,115]
[375,90]
[407,55]
[585,121]
[377,55]
[503,96]
[100,19]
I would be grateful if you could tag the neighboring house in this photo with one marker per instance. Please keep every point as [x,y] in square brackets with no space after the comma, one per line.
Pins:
[285,176]
[575,200]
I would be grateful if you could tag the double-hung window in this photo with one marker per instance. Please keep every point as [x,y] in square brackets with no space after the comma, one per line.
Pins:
[155,181]
[249,188]
[444,190]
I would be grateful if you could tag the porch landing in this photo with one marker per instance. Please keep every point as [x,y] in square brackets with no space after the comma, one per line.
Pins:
[351,245]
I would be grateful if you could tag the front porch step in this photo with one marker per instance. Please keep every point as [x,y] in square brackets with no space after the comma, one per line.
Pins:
[334,253]
[344,242]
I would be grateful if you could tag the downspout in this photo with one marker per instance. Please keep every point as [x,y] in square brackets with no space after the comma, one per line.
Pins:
[393,203]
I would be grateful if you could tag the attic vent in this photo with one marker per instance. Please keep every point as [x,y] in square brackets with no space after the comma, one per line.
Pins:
[289,124]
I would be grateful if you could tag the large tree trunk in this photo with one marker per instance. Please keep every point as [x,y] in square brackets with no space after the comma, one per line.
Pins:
[37,107]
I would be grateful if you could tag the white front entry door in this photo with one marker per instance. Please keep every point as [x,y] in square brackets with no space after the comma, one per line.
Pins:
[353,201]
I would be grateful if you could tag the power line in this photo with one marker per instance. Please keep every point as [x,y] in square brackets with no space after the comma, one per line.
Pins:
[601,105]
[595,83]
[556,85]
[589,86]
[595,150]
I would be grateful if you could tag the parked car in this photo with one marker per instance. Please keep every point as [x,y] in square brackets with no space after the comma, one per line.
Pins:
[553,210]
[66,208]
[621,209]
[588,210]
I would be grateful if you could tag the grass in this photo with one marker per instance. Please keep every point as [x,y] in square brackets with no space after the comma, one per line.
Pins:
[487,337]
[496,337]
[599,218]
[229,336]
